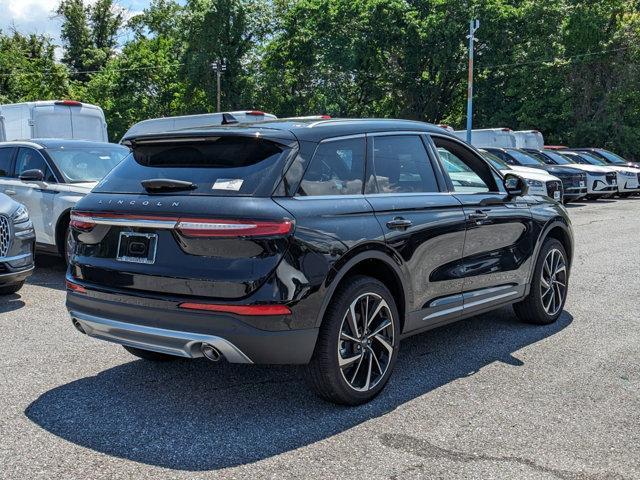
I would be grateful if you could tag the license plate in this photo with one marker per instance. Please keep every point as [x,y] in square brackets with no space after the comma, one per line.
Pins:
[582,183]
[137,247]
[556,195]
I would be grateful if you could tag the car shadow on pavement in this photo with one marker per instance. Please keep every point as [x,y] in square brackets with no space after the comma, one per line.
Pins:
[49,272]
[10,303]
[196,416]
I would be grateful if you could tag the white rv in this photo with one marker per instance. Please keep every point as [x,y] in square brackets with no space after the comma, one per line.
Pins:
[64,119]
[168,124]
[529,139]
[489,137]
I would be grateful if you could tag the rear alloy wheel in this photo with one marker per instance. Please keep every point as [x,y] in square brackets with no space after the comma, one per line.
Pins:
[548,292]
[357,345]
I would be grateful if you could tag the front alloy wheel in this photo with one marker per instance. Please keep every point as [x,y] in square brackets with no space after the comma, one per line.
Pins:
[357,344]
[549,286]
[553,284]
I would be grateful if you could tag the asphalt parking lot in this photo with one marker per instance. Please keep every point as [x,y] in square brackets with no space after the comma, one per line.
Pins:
[484,398]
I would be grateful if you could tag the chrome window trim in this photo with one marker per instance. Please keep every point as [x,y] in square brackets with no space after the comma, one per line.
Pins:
[344,137]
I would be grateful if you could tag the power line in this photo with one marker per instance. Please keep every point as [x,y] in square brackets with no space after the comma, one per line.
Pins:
[80,72]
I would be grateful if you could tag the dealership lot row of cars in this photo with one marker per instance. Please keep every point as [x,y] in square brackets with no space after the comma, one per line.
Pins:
[287,265]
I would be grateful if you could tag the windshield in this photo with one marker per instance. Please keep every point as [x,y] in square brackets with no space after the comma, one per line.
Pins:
[612,157]
[80,164]
[497,163]
[591,159]
[558,158]
[524,158]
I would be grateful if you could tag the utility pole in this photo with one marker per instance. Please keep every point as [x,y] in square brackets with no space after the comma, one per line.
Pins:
[473,26]
[219,67]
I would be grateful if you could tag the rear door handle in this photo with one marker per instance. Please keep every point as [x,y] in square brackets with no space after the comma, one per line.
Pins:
[399,223]
[10,192]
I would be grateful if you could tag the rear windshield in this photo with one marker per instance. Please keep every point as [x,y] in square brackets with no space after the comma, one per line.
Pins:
[221,166]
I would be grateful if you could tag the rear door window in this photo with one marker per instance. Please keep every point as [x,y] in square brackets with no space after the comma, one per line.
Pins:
[337,168]
[401,165]
[220,166]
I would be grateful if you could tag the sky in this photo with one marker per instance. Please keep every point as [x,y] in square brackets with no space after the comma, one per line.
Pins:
[38,16]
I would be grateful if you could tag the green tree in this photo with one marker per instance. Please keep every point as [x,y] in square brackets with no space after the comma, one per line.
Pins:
[89,33]
[28,70]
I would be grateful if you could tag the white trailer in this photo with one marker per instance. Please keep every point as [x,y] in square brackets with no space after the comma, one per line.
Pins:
[529,139]
[489,137]
[66,119]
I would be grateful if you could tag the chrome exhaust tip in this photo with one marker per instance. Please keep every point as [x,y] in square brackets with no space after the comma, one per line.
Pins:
[78,326]
[210,352]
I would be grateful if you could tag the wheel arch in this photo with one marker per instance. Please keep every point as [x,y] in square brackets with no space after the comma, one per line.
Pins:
[61,229]
[559,229]
[377,264]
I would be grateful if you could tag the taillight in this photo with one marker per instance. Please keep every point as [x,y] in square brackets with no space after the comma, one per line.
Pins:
[232,228]
[254,112]
[81,221]
[249,310]
[74,287]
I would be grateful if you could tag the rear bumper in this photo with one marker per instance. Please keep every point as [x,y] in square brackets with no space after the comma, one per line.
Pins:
[182,333]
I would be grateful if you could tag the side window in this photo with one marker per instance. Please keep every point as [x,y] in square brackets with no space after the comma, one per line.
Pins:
[401,165]
[337,168]
[5,161]
[503,156]
[30,159]
[468,172]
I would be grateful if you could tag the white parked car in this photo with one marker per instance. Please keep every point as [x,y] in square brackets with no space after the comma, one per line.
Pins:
[49,176]
[52,119]
[489,137]
[627,177]
[540,183]
[168,124]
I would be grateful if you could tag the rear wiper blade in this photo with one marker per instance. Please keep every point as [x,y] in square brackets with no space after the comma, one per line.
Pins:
[167,184]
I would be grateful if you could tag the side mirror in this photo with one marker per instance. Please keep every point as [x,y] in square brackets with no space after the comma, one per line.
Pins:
[34,175]
[515,185]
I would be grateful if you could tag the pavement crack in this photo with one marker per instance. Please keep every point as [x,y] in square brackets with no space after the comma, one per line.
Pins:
[424,449]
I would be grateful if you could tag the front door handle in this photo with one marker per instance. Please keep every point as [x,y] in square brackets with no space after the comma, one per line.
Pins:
[10,192]
[479,215]
[399,223]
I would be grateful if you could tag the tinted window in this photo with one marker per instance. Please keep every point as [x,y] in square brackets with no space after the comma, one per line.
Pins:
[524,158]
[30,159]
[87,164]
[337,168]
[612,157]
[221,166]
[464,179]
[558,158]
[401,165]
[5,161]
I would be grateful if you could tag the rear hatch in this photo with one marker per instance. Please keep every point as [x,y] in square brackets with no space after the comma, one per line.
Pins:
[69,119]
[186,217]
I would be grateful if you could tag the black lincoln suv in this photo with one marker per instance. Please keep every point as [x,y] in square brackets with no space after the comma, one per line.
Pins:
[316,242]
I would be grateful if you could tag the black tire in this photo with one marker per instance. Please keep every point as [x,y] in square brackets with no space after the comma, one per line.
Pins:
[68,244]
[149,355]
[324,374]
[532,309]
[11,289]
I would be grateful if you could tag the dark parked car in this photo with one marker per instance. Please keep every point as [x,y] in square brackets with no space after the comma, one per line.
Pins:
[308,242]
[17,240]
[574,181]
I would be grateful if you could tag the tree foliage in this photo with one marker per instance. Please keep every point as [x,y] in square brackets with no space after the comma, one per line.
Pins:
[570,68]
